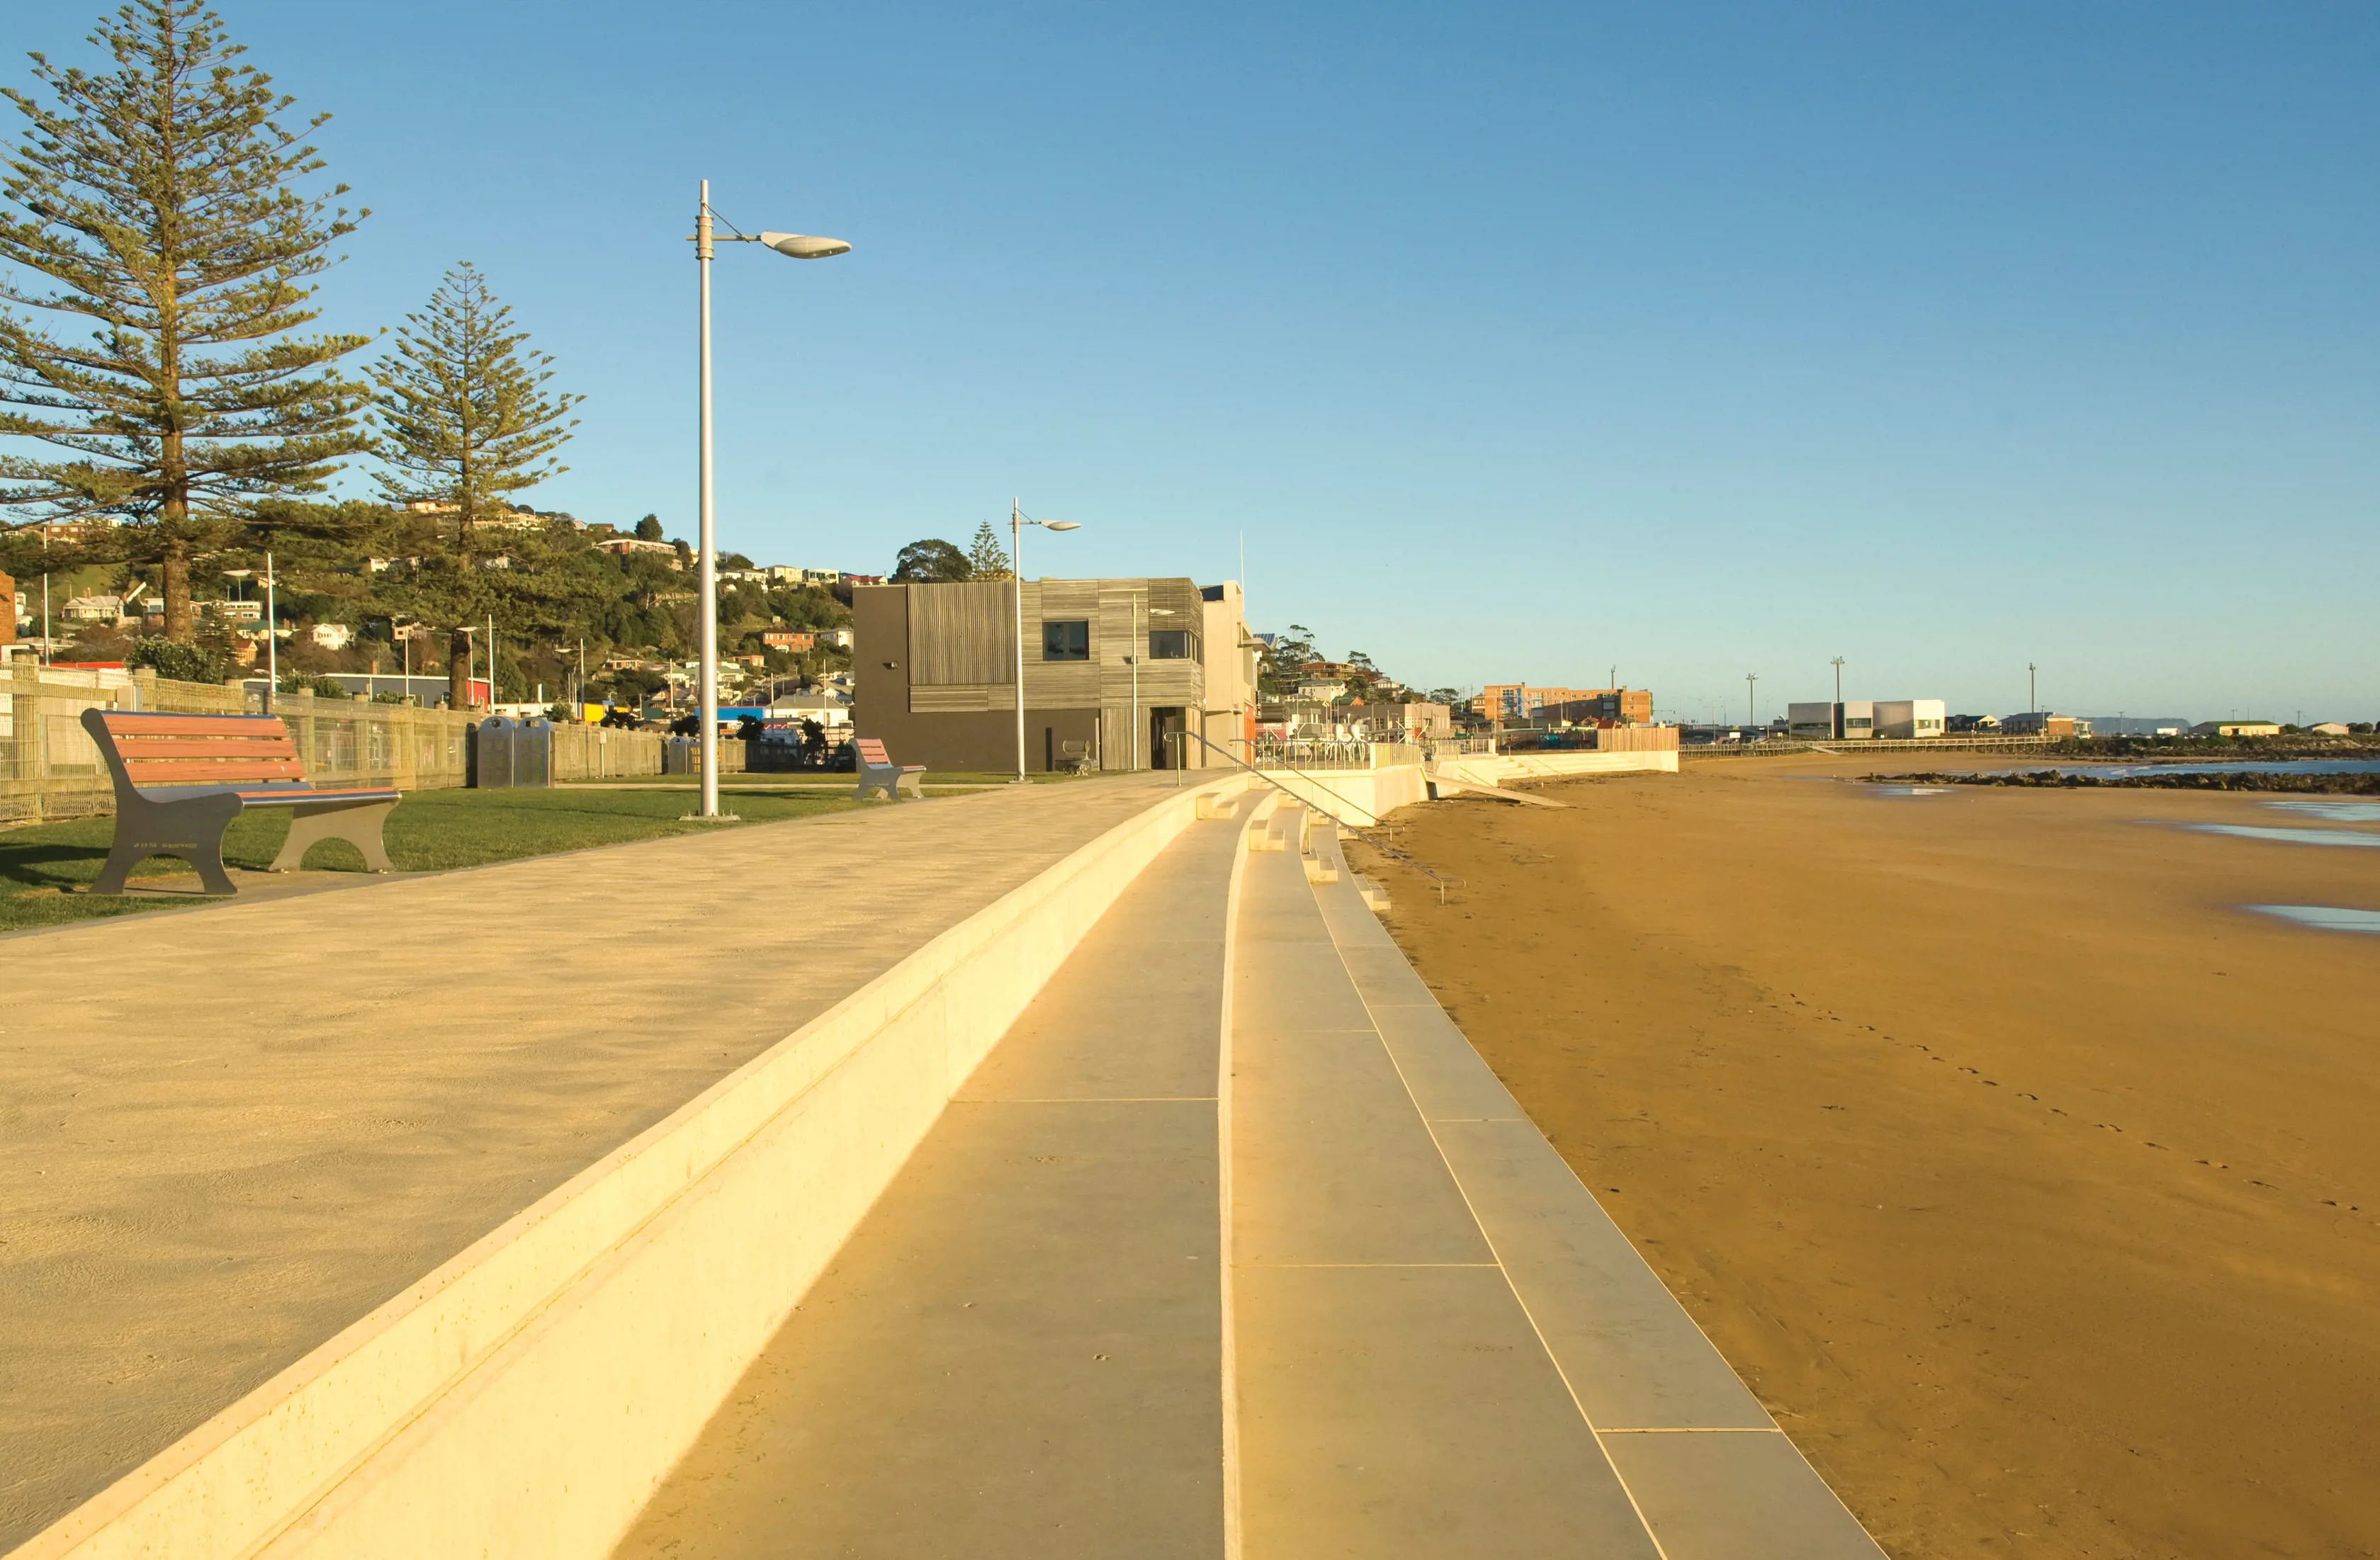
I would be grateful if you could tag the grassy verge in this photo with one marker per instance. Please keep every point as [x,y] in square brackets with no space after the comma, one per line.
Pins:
[46,870]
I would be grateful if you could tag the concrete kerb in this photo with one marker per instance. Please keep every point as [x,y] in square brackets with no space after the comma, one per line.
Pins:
[526,1398]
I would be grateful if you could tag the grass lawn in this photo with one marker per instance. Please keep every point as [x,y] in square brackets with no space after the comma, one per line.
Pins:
[47,869]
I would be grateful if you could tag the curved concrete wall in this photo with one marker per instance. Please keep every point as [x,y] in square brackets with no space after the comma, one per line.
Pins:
[526,1398]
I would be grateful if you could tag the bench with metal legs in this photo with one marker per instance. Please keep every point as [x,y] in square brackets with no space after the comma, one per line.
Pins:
[878,773]
[180,779]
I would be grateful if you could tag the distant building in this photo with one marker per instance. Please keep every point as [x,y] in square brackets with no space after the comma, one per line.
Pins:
[2320,728]
[793,640]
[1525,702]
[333,635]
[8,611]
[93,609]
[1322,692]
[836,638]
[1976,725]
[627,546]
[1865,720]
[2042,723]
[783,573]
[2236,729]
[1909,720]
[1114,667]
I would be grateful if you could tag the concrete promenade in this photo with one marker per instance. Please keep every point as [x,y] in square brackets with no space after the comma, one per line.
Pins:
[1234,1247]
[227,1134]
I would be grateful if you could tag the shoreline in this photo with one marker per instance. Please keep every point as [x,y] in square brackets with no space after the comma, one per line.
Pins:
[2020,1171]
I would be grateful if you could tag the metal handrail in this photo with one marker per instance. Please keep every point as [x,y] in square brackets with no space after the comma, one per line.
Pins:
[1442,881]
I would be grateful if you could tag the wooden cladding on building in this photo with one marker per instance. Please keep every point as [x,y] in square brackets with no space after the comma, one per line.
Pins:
[962,635]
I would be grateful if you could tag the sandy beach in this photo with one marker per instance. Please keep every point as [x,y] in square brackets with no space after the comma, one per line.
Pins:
[2031,1181]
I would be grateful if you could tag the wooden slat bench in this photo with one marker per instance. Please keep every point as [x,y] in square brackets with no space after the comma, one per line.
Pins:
[878,773]
[181,779]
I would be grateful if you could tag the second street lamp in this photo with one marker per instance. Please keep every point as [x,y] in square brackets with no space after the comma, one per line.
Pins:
[1016,523]
[800,247]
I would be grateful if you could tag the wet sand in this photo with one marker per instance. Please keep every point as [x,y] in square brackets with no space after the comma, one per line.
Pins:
[2032,1184]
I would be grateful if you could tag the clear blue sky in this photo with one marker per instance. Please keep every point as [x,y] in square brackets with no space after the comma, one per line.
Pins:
[1518,340]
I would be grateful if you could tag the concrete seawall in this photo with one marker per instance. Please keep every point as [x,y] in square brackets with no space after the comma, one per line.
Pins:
[528,1397]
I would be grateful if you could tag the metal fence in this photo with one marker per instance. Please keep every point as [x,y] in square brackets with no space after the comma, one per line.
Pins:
[1312,754]
[49,767]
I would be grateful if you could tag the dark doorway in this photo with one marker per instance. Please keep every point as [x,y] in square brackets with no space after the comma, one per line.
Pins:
[1165,726]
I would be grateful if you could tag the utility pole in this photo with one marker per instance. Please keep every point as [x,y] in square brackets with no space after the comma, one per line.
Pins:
[1838,679]
[1752,698]
[2032,690]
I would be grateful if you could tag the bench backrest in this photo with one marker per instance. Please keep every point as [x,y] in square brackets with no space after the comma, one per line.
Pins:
[871,751]
[169,750]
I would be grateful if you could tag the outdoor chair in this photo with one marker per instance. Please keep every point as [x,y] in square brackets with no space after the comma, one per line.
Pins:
[181,779]
[878,773]
[1074,758]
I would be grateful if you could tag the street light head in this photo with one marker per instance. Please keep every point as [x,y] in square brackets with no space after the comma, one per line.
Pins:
[1062,524]
[802,246]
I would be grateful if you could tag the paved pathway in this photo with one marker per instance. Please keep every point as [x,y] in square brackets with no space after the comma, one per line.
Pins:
[1439,1345]
[227,1134]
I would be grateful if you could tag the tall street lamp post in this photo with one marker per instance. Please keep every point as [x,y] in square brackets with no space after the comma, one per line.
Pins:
[1016,523]
[800,247]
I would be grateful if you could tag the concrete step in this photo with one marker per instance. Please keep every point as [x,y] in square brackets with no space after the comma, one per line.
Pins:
[1441,1344]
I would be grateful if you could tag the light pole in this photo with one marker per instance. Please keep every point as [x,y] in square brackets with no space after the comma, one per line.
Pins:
[1752,698]
[2031,691]
[1838,722]
[271,641]
[1016,523]
[800,247]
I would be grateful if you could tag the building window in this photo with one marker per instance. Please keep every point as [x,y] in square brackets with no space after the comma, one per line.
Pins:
[1066,641]
[1171,643]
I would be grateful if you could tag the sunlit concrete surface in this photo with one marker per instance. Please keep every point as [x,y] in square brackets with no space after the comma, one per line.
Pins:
[1019,1351]
[224,1135]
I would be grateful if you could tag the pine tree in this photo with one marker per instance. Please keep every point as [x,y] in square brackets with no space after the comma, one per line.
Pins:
[160,204]
[987,557]
[465,418]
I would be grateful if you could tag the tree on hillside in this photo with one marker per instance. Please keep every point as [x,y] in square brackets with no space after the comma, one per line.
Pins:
[1279,670]
[466,418]
[987,560]
[649,528]
[160,206]
[930,561]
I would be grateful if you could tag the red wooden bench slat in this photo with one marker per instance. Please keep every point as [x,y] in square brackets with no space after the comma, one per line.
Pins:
[141,750]
[872,749]
[198,772]
[130,723]
[295,796]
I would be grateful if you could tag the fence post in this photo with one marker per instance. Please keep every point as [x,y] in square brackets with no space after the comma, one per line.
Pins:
[25,715]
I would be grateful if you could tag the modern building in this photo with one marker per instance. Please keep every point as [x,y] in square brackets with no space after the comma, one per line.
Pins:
[1909,720]
[1862,719]
[1851,720]
[2043,724]
[1523,701]
[1113,669]
[2236,729]
[792,639]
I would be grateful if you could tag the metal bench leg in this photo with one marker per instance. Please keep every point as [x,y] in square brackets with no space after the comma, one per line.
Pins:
[914,784]
[358,826]
[192,830]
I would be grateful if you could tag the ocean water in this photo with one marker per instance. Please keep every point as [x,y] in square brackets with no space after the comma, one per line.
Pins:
[2289,836]
[2324,917]
[2338,809]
